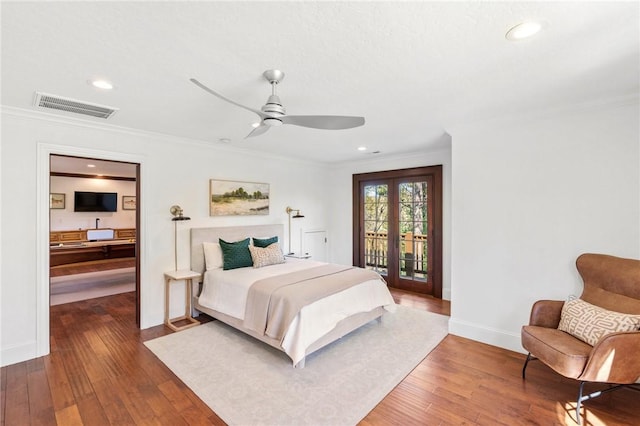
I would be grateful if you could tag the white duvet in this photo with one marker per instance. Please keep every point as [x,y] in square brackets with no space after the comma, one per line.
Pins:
[226,292]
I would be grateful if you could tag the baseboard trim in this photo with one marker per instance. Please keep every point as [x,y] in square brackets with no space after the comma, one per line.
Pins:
[488,335]
[14,354]
[446,294]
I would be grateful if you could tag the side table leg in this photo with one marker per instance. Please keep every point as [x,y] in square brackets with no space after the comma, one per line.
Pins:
[187,295]
[167,283]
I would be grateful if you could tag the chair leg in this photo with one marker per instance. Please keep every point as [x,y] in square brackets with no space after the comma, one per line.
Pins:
[592,395]
[524,367]
[579,402]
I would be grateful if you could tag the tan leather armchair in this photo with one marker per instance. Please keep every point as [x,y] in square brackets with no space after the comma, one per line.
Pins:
[612,283]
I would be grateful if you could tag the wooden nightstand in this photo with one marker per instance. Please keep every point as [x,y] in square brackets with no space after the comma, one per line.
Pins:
[188,277]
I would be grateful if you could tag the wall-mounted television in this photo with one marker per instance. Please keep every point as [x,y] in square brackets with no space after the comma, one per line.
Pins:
[95,201]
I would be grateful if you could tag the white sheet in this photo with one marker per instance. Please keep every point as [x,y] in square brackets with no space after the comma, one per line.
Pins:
[226,292]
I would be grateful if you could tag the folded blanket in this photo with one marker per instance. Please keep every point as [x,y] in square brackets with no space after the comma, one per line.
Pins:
[273,302]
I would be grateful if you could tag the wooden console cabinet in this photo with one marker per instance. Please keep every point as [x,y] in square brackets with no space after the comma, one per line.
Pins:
[66,236]
[125,233]
[73,247]
[81,235]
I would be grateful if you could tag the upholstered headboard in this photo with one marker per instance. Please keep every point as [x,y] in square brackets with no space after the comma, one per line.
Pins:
[229,233]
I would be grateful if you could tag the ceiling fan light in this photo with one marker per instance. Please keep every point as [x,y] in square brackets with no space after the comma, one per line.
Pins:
[523,30]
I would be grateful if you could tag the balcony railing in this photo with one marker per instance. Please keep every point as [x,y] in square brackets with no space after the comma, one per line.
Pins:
[413,252]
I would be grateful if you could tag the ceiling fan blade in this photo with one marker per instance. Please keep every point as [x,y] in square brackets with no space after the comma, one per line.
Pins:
[327,122]
[261,114]
[258,130]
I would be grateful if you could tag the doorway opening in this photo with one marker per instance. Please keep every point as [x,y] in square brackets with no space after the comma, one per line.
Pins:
[397,227]
[93,229]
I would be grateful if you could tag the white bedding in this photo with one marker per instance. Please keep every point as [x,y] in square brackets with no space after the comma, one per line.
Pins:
[226,292]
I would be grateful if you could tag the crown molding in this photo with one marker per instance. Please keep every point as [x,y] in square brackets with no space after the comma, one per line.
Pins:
[105,127]
[382,159]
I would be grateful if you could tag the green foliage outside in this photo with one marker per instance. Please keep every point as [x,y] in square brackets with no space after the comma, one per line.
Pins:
[238,194]
[413,208]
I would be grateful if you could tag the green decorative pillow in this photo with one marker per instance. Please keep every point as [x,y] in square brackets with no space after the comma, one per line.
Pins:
[235,255]
[264,242]
[590,323]
[266,256]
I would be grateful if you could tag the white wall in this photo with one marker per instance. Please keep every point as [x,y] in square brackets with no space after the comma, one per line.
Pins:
[529,196]
[67,219]
[341,203]
[522,200]
[173,171]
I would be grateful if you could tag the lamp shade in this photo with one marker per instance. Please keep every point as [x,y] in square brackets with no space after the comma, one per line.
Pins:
[177,213]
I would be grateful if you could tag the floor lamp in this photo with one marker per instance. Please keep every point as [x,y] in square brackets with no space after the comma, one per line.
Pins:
[177,213]
[289,210]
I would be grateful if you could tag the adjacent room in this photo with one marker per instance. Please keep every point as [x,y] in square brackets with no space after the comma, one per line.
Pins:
[92,228]
[320,213]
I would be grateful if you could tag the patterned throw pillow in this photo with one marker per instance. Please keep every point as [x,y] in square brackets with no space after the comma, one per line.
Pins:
[270,255]
[235,255]
[264,242]
[590,323]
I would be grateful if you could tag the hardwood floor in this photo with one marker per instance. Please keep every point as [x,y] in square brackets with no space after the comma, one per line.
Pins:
[92,266]
[99,372]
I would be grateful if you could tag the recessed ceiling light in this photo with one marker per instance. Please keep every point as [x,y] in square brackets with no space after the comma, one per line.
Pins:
[224,140]
[523,30]
[101,84]
[254,125]
[362,148]
[91,165]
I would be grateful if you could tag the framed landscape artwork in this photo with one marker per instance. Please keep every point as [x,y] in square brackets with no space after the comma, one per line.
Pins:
[233,198]
[56,201]
[128,202]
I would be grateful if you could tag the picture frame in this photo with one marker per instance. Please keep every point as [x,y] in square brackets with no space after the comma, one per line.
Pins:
[237,198]
[57,201]
[129,202]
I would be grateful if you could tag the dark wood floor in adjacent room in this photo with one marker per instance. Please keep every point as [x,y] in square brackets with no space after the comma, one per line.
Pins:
[92,266]
[99,372]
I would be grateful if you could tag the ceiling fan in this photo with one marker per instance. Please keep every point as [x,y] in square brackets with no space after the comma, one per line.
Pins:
[273,113]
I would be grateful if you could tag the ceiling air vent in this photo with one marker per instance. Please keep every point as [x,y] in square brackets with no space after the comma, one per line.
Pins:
[45,100]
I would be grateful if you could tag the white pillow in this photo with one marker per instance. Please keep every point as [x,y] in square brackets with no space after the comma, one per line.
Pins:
[212,256]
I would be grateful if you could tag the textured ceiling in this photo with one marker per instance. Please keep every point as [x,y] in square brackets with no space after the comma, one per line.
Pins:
[412,69]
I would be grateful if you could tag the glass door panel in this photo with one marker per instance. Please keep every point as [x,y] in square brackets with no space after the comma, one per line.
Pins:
[376,227]
[413,232]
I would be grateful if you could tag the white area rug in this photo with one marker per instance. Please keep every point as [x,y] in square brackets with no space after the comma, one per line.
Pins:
[72,288]
[247,382]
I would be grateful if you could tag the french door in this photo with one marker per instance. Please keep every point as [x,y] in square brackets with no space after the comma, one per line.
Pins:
[398,227]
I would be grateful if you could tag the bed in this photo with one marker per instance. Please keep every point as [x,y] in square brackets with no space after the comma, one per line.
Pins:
[346,298]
